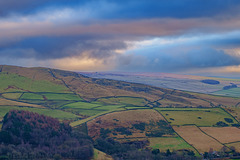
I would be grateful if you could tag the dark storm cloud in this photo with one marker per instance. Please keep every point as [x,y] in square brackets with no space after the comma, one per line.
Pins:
[128,9]
[175,8]
[97,29]
[31,6]
[61,47]
[177,60]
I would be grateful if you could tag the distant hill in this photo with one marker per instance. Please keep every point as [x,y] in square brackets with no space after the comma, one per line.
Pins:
[190,83]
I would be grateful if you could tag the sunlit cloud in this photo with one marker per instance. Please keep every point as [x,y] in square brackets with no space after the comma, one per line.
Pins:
[131,35]
[83,64]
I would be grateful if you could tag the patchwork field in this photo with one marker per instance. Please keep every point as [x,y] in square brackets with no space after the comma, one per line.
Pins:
[81,105]
[12,95]
[195,116]
[218,101]
[124,122]
[89,109]
[100,113]
[223,134]
[31,96]
[124,111]
[234,111]
[6,102]
[48,112]
[124,100]
[194,136]
[182,100]
[10,82]
[171,143]
[62,96]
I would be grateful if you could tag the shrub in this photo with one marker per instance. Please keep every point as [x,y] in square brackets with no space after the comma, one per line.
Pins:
[229,120]
[221,124]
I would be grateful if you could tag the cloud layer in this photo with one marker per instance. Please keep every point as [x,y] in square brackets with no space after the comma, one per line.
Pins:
[146,35]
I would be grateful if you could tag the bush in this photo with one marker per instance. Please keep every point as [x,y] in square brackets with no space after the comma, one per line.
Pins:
[123,131]
[221,124]
[229,120]
[140,126]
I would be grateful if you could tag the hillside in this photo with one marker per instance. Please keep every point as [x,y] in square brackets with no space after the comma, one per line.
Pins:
[209,85]
[40,80]
[128,113]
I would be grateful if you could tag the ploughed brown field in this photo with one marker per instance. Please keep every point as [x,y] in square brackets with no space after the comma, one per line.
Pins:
[195,137]
[223,134]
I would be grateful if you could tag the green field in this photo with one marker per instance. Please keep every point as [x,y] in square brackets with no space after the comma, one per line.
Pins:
[171,143]
[85,112]
[31,96]
[234,92]
[12,82]
[76,123]
[124,100]
[51,96]
[61,96]
[130,108]
[99,155]
[89,109]
[57,97]
[109,107]
[12,95]
[197,116]
[48,112]
[81,105]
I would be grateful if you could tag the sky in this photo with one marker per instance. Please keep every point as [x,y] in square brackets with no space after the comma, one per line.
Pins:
[177,36]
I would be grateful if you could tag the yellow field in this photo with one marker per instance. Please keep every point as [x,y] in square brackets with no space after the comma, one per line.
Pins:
[5,102]
[197,138]
[12,95]
[223,134]
[171,143]
[204,117]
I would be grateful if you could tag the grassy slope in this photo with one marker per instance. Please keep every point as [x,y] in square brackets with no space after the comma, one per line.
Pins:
[196,116]
[48,112]
[30,96]
[165,80]
[51,80]
[172,143]
[234,92]
[12,82]
[12,95]
[54,96]
[124,100]
[104,96]
[99,155]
